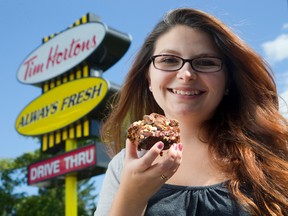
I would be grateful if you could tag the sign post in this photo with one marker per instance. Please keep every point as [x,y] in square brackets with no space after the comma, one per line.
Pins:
[71,185]
[72,103]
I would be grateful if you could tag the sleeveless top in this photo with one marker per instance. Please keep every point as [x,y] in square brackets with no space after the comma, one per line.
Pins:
[186,200]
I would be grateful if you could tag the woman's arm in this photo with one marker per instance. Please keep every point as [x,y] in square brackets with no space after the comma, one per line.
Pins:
[141,177]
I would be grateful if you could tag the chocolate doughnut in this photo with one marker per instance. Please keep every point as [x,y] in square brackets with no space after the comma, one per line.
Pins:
[153,128]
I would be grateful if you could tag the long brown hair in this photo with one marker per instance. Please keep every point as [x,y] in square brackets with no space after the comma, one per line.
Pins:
[248,136]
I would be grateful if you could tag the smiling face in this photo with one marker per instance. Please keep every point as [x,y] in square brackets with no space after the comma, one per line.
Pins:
[185,92]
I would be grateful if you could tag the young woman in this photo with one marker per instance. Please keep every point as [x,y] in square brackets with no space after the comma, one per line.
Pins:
[232,159]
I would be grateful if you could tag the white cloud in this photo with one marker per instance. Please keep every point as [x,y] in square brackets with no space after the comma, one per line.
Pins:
[277,50]
[285,26]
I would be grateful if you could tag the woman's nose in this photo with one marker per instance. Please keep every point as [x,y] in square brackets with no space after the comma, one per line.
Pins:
[187,73]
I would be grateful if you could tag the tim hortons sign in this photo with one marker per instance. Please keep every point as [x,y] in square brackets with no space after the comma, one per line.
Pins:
[88,41]
[61,106]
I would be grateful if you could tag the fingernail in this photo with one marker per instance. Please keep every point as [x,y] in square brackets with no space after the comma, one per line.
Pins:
[180,147]
[160,145]
[175,146]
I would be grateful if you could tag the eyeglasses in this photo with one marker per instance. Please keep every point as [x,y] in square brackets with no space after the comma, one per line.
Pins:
[174,63]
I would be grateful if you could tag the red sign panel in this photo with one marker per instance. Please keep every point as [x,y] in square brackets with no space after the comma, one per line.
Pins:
[62,164]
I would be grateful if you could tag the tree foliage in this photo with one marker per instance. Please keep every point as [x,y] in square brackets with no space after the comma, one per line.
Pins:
[48,201]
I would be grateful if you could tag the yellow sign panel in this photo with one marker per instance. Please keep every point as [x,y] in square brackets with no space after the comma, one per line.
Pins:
[61,106]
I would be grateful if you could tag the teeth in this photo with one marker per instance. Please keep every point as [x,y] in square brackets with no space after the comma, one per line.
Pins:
[181,92]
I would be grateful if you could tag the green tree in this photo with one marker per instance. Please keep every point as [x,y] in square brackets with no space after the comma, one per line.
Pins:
[48,201]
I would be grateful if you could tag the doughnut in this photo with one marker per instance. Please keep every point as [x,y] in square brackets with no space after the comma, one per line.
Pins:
[153,128]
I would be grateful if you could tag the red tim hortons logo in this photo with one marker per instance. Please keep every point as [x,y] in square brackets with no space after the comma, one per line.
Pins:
[61,53]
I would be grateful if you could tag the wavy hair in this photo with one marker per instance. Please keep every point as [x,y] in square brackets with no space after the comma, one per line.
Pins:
[248,137]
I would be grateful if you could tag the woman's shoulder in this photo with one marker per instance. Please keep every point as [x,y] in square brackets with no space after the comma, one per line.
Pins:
[117,160]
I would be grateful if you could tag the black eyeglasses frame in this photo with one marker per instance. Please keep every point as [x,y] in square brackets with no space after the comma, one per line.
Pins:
[152,59]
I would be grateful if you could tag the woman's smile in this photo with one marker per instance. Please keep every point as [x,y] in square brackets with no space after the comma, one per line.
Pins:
[185,92]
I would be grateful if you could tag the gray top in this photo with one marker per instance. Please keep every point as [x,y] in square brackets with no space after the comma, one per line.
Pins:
[171,199]
[110,184]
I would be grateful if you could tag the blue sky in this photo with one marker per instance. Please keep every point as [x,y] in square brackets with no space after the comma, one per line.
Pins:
[262,24]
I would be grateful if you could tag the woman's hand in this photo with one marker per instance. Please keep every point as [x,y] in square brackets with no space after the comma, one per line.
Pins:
[143,177]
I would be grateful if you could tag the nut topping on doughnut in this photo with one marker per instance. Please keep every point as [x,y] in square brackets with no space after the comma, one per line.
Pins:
[153,128]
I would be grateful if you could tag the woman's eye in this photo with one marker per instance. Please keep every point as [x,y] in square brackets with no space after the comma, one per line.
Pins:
[206,62]
[170,60]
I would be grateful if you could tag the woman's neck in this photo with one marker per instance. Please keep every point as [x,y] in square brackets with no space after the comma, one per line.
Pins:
[198,166]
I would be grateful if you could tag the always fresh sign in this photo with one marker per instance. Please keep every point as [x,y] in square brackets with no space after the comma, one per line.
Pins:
[61,53]
[61,106]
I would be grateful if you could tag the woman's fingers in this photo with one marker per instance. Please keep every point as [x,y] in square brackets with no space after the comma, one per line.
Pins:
[152,163]
[148,159]
[131,150]
[169,163]
[165,167]
[173,160]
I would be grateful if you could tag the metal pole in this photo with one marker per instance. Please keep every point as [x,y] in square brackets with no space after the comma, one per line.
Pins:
[71,205]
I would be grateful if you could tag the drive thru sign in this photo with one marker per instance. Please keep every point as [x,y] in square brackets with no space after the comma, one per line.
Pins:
[75,160]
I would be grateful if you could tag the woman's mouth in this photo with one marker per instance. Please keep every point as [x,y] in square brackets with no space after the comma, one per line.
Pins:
[185,92]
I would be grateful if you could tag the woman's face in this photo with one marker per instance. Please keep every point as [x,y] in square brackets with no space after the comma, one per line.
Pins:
[185,92]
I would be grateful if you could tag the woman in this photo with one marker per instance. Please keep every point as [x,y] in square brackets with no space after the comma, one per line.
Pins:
[232,159]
